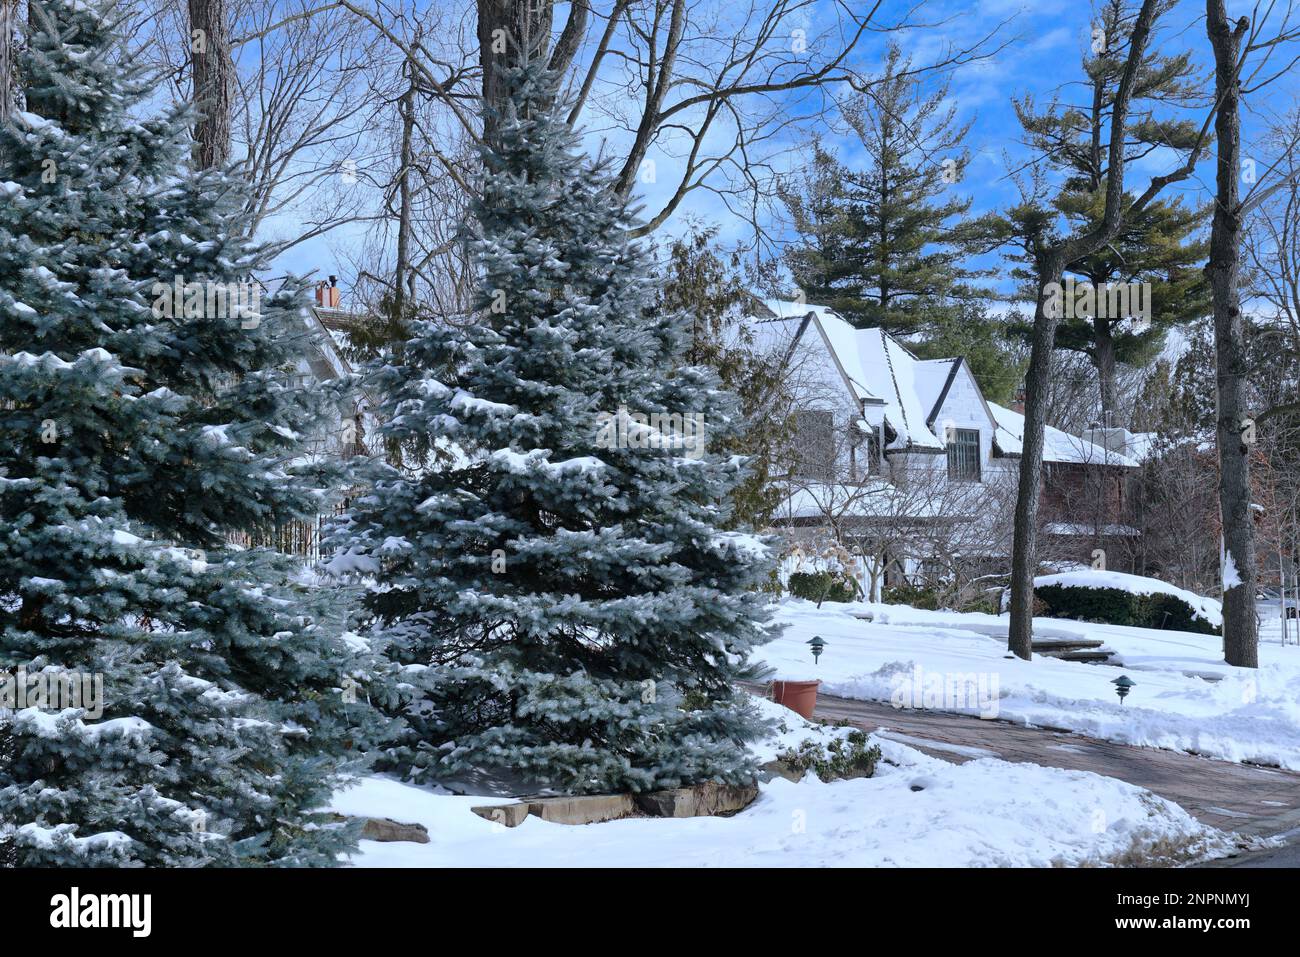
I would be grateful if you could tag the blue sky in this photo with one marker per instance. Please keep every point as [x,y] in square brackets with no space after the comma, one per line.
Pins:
[1044,43]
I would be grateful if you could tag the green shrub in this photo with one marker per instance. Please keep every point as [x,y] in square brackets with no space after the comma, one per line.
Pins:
[916,596]
[1111,606]
[1174,614]
[847,757]
[1114,606]
[989,602]
[823,586]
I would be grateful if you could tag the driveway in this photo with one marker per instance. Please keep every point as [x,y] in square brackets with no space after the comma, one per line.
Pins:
[1254,801]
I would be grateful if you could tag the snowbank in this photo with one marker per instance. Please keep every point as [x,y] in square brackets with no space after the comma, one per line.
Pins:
[917,811]
[1186,698]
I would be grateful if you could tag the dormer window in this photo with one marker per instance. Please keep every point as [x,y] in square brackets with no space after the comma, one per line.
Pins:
[964,455]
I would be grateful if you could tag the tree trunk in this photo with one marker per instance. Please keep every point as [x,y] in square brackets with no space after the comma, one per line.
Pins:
[8,58]
[402,268]
[1024,547]
[49,106]
[1103,357]
[1050,262]
[510,33]
[1233,428]
[213,81]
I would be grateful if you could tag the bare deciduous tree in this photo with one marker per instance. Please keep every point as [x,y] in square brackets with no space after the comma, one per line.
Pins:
[1236,74]
[212,72]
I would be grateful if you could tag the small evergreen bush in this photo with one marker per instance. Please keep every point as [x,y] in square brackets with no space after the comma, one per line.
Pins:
[1173,614]
[847,757]
[823,586]
[917,596]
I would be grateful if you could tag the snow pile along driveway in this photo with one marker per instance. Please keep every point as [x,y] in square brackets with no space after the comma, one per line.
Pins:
[1186,698]
[917,811]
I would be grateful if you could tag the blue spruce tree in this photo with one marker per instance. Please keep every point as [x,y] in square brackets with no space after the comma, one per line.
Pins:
[557,584]
[140,430]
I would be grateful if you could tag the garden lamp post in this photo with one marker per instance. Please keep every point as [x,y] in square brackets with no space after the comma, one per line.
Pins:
[817,646]
[1122,685]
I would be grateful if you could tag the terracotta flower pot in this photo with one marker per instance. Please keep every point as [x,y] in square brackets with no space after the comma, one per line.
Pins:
[799,696]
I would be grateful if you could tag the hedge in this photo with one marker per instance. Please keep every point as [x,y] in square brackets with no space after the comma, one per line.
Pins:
[1114,606]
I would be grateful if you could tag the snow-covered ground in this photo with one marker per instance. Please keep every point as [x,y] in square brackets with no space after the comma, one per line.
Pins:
[916,811]
[1186,697]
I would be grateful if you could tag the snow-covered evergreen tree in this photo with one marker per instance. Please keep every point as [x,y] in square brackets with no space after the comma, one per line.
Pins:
[137,434]
[568,609]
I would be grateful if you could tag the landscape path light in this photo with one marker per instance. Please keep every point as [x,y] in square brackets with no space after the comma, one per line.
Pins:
[1122,685]
[817,646]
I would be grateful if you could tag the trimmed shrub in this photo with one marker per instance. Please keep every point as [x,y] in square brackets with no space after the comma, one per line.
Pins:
[823,586]
[1114,606]
[1173,614]
[914,595]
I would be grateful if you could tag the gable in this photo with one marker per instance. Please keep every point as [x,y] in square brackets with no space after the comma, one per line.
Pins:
[961,400]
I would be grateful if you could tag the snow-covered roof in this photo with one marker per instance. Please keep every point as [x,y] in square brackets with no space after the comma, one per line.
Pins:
[932,377]
[1143,444]
[1085,530]
[877,369]
[884,360]
[329,363]
[1058,446]
[880,371]
[881,501]
[771,335]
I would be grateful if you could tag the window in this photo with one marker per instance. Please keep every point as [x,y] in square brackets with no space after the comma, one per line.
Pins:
[864,452]
[964,455]
[814,443]
[873,452]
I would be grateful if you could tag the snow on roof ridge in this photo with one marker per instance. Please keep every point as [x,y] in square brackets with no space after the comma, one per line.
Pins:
[904,410]
[906,404]
[1058,446]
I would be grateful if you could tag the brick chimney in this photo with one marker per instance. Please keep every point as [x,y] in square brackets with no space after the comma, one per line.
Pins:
[327,293]
[1018,403]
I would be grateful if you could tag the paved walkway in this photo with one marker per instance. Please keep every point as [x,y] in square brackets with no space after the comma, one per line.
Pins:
[1235,797]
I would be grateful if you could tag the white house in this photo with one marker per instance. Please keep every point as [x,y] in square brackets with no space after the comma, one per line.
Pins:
[906,460]
[322,361]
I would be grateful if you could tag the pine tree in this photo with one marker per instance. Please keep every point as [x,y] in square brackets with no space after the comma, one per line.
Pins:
[1157,249]
[1157,245]
[885,243]
[139,435]
[566,608]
